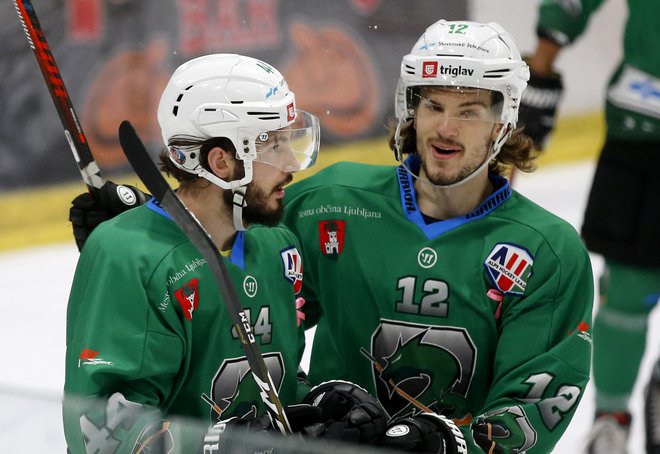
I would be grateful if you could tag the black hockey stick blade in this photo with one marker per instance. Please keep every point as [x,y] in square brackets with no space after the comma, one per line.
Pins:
[73,132]
[153,179]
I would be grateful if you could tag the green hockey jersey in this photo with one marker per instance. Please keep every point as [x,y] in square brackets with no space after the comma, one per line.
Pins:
[633,98]
[148,332]
[483,316]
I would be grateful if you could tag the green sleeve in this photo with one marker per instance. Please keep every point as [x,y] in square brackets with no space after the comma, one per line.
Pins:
[116,342]
[543,356]
[563,21]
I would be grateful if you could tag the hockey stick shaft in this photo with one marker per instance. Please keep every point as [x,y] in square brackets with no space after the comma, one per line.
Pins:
[390,382]
[73,132]
[146,169]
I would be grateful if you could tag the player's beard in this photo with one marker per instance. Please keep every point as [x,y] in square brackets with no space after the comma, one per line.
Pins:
[257,209]
[440,179]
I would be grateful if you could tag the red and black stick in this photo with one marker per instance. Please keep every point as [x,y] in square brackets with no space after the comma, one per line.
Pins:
[89,170]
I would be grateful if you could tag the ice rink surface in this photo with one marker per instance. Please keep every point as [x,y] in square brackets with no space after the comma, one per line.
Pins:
[36,282]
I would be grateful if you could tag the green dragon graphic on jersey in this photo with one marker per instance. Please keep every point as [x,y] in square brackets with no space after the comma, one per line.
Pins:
[405,364]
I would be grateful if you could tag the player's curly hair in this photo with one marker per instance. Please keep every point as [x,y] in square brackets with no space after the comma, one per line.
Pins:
[518,151]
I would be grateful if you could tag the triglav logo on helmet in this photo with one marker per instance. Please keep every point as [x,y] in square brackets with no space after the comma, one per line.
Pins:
[290,112]
[430,69]
[455,71]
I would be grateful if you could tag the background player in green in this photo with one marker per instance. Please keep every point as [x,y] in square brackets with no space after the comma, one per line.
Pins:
[148,336]
[437,278]
[622,218]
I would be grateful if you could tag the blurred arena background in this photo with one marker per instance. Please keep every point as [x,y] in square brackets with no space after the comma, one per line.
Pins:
[341,58]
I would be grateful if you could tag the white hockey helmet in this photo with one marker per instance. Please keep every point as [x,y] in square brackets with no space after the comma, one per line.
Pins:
[246,101]
[464,54]
[237,97]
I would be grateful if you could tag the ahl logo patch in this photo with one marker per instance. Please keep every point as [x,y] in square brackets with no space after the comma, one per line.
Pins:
[331,237]
[509,267]
[293,268]
[188,298]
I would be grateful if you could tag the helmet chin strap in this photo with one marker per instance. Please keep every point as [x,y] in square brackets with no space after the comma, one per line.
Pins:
[238,202]
[494,151]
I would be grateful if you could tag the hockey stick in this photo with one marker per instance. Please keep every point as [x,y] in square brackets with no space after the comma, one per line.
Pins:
[145,168]
[89,170]
[394,386]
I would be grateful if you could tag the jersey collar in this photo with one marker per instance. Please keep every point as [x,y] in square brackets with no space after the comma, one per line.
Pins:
[237,250]
[411,209]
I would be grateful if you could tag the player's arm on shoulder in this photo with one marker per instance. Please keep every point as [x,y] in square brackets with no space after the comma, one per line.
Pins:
[89,210]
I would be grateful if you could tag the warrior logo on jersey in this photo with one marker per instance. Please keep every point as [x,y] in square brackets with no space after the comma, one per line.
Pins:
[509,267]
[188,298]
[331,236]
[293,268]
[234,379]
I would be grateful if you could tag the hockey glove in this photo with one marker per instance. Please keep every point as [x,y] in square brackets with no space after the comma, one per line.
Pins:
[538,106]
[350,413]
[250,434]
[87,212]
[428,433]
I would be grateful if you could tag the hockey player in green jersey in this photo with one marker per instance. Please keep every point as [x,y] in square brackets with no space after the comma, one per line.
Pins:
[149,340]
[622,217]
[434,281]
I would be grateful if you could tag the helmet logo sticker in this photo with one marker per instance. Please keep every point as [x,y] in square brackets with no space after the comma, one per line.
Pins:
[263,136]
[429,69]
[290,112]
[177,155]
[509,267]
[331,237]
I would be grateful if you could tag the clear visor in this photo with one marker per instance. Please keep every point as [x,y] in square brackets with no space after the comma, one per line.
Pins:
[461,106]
[292,148]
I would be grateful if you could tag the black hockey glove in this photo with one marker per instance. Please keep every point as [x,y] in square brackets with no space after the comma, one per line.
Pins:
[250,434]
[428,433]
[350,413]
[538,107]
[87,212]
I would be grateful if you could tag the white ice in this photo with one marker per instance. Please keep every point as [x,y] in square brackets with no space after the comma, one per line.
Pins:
[35,286]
